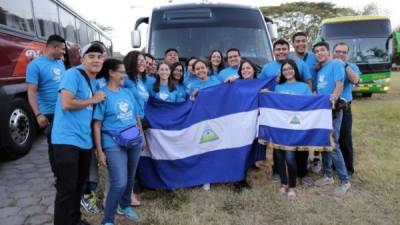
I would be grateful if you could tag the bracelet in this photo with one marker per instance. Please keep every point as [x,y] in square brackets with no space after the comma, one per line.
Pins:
[38,114]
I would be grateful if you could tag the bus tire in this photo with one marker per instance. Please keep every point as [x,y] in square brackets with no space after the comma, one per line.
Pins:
[366,95]
[20,129]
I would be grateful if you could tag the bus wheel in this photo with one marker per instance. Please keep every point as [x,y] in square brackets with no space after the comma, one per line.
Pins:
[367,95]
[20,131]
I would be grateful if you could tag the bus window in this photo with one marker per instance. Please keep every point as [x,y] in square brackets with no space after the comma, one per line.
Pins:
[17,15]
[46,16]
[83,32]
[67,23]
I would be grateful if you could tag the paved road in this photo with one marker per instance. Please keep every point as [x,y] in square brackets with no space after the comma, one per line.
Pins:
[26,189]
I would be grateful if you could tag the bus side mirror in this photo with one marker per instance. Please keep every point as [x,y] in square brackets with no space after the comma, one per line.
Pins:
[273,30]
[135,39]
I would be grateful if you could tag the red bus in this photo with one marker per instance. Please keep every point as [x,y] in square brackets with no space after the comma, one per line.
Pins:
[25,26]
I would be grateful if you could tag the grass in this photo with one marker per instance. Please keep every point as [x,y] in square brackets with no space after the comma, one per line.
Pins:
[373,199]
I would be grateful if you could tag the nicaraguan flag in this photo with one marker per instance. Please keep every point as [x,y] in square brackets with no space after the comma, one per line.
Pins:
[295,122]
[209,140]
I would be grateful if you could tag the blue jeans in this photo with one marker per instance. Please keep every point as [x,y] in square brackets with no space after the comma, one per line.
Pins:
[335,156]
[121,166]
[290,158]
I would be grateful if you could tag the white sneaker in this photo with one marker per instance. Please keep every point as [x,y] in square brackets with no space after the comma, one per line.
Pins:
[316,166]
[206,187]
[324,181]
[342,189]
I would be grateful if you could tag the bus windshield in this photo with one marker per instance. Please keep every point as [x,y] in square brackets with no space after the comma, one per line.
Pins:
[364,50]
[214,29]
[362,28]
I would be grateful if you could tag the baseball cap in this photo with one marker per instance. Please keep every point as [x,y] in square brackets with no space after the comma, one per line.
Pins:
[92,47]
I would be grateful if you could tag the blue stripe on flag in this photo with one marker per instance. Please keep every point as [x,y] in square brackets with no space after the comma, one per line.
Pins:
[294,102]
[228,165]
[212,102]
[293,138]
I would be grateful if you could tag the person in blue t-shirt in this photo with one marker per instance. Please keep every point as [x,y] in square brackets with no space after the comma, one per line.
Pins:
[177,78]
[216,60]
[231,73]
[164,88]
[188,76]
[330,82]
[72,134]
[135,65]
[281,53]
[119,111]
[204,80]
[150,72]
[43,76]
[299,43]
[352,76]
[289,83]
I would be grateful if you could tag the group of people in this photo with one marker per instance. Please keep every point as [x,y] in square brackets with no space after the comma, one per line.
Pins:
[99,103]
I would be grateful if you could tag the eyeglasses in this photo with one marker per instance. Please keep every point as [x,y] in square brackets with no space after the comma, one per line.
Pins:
[341,52]
[120,71]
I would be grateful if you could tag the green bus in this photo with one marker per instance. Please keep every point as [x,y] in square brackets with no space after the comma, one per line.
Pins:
[370,48]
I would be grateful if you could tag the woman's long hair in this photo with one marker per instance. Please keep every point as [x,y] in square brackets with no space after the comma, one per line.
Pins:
[292,63]
[157,84]
[256,71]
[109,64]
[172,68]
[221,66]
[131,63]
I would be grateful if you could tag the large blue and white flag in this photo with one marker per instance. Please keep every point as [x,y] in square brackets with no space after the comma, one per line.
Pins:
[209,140]
[295,122]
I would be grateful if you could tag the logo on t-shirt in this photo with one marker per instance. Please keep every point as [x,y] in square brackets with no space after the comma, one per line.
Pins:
[322,82]
[56,74]
[123,110]
[163,96]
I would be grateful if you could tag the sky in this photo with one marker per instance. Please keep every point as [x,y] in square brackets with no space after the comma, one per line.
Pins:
[121,15]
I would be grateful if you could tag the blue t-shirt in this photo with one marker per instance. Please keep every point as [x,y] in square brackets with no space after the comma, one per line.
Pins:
[273,69]
[188,80]
[150,80]
[139,91]
[165,94]
[295,88]
[46,74]
[73,127]
[331,72]
[310,59]
[228,72]
[213,72]
[347,85]
[181,93]
[117,112]
[199,84]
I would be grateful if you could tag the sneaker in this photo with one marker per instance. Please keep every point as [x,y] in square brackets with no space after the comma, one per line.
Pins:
[291,194]
[307,180]
[276,177]
[128,212]
[206,187]
[316,166]
[324,181]
[342,189]
[283,190]
[90,203]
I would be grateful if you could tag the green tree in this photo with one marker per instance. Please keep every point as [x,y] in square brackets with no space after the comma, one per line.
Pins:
[372,9]
[303,16]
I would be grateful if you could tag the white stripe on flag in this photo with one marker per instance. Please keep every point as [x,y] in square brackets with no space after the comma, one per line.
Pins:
[231,131]
[296,120]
